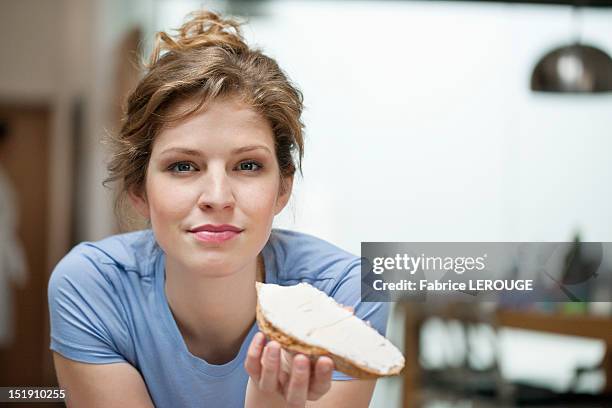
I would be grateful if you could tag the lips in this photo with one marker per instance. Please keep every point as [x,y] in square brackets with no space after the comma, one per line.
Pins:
[216,228]
[215,233]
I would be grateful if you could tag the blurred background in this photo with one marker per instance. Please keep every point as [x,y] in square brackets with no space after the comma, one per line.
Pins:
[426,121]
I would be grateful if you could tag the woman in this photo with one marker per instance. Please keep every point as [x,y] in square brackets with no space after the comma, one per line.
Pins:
[210,143]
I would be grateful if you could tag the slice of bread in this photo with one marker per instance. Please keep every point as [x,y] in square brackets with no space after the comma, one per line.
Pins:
[304,319]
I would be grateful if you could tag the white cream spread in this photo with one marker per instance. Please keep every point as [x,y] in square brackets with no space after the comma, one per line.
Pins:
[309,315]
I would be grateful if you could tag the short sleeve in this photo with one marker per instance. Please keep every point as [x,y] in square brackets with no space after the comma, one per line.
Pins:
[85,314]
[347,291]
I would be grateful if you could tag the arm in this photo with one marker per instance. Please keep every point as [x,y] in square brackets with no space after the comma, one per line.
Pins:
[342,394]
[346,394]
[101,385]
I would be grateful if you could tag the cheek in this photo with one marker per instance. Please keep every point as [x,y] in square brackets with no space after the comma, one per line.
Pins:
[168,200]
[258,199]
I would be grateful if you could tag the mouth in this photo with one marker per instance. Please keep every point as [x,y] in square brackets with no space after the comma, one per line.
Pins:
[215,233]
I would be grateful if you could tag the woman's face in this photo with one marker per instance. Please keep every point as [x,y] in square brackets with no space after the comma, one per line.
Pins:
[213,188]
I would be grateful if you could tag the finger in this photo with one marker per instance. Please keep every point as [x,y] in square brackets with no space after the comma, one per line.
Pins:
[297,390]
[252,364]
[270,362]
[283,379]
[321,381]
[286,357]
[349,308]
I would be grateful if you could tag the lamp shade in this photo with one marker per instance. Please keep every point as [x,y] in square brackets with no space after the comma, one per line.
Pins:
[575,68]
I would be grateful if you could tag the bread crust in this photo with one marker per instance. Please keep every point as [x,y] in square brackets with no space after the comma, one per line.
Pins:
[292,344]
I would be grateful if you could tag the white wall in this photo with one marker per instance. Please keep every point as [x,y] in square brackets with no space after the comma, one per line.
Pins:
[421,125]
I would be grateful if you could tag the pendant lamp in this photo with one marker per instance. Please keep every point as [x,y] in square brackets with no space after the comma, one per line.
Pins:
[573,68]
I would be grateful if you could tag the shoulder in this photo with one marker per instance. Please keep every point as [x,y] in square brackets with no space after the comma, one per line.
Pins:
[131,251]
[304,257]
[89,295]
[101,263]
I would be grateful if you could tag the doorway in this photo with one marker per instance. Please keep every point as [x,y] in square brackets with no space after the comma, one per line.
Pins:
[24,160]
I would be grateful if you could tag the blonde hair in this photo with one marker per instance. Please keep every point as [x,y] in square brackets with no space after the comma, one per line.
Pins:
[207,59]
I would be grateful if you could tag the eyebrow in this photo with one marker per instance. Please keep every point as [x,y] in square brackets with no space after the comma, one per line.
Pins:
[196,152]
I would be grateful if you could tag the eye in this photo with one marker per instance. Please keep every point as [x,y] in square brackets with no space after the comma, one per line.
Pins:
[182,167]
[250,165]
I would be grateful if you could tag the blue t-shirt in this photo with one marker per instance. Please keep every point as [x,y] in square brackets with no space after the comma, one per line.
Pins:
[108,304]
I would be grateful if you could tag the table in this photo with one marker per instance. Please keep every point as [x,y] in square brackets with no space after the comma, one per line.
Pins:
[576,325]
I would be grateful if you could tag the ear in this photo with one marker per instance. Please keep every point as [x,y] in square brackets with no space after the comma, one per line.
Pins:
[139,201]
[283,198]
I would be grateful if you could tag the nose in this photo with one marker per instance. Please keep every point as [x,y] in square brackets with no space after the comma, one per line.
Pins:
[217,192]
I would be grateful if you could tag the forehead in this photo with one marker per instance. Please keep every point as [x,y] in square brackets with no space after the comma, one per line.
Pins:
[225,122]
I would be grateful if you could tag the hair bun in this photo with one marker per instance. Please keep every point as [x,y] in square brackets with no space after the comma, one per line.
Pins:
[202,29]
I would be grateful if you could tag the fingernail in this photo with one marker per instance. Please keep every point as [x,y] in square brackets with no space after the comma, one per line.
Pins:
[301,365]
[273,352]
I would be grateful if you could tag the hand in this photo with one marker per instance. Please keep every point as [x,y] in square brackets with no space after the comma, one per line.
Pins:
[281,374]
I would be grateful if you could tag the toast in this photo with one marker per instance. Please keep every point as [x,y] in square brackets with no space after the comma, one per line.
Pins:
[305,320]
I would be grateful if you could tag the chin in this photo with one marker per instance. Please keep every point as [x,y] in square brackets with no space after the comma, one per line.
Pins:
[215,265]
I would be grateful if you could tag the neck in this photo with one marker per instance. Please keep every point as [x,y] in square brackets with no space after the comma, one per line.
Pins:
[214,314]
